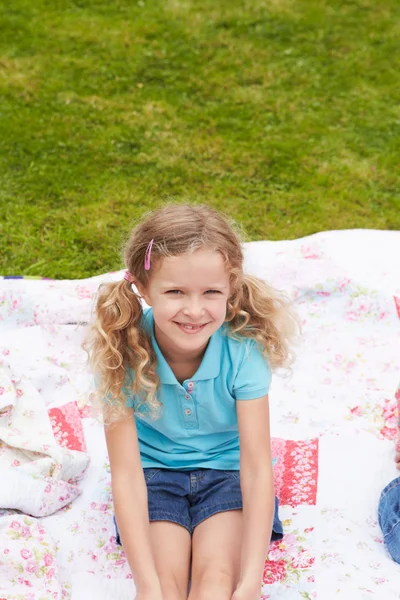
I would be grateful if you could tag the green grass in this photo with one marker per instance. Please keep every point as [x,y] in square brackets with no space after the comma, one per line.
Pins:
[283,113]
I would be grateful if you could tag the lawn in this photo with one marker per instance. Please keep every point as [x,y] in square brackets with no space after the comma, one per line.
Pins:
[283,113]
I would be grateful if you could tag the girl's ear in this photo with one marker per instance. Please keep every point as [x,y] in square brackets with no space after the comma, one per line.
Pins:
[141,289]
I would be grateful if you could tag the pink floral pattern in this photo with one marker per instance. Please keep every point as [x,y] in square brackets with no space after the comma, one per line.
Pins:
[343,285]
[296,471]
[28,559]
[290,561]
[84,292]
[381,419]
[67,426]
[274,571]
[42,477]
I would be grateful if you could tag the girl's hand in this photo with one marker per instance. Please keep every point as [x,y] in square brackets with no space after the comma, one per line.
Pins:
[244,592]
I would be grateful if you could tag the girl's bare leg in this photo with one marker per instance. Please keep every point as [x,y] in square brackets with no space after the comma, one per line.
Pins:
[216,547]
[171,546]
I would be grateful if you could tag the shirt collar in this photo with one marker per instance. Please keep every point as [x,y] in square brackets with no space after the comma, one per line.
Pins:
[210,365]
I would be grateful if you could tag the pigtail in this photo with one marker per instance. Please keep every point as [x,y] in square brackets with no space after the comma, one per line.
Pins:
[117,344]
[258,311]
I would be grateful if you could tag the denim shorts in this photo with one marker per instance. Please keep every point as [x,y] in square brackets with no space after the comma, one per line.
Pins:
[189,497]
[389,517]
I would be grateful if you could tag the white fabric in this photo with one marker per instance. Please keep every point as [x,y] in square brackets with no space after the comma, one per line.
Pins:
[41,477]
[345,286]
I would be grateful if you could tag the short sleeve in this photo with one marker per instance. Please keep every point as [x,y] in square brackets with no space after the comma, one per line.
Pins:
[253,378]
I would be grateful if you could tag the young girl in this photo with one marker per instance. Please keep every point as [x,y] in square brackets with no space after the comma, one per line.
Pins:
[185,387]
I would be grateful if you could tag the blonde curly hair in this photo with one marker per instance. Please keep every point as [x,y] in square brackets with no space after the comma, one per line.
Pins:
[118,345]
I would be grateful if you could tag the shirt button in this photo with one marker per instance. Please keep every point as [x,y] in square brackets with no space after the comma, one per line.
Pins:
[187,397]
[188,411]
[191,385]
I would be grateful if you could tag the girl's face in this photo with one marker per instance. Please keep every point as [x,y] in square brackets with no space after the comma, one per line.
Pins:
[189,294]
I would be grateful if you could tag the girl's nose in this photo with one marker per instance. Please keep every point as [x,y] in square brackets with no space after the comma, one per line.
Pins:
[194,308]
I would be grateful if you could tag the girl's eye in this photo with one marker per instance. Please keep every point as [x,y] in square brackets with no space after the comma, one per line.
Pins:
[177,292]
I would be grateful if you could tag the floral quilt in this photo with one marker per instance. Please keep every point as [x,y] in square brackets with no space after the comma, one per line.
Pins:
[333,420]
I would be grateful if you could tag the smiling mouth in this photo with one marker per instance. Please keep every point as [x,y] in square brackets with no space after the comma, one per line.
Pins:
[190,328]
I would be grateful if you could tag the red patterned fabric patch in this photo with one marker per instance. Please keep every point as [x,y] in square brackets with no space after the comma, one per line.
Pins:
[67,426]
[296,471]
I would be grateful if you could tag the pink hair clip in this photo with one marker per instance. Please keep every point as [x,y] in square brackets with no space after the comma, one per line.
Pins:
[147,256]
[127,276]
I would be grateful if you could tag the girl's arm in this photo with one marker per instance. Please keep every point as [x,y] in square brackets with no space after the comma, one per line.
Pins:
[130,503]
[256,480]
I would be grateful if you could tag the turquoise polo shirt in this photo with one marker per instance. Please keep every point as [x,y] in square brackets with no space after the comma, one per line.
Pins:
[198,427]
